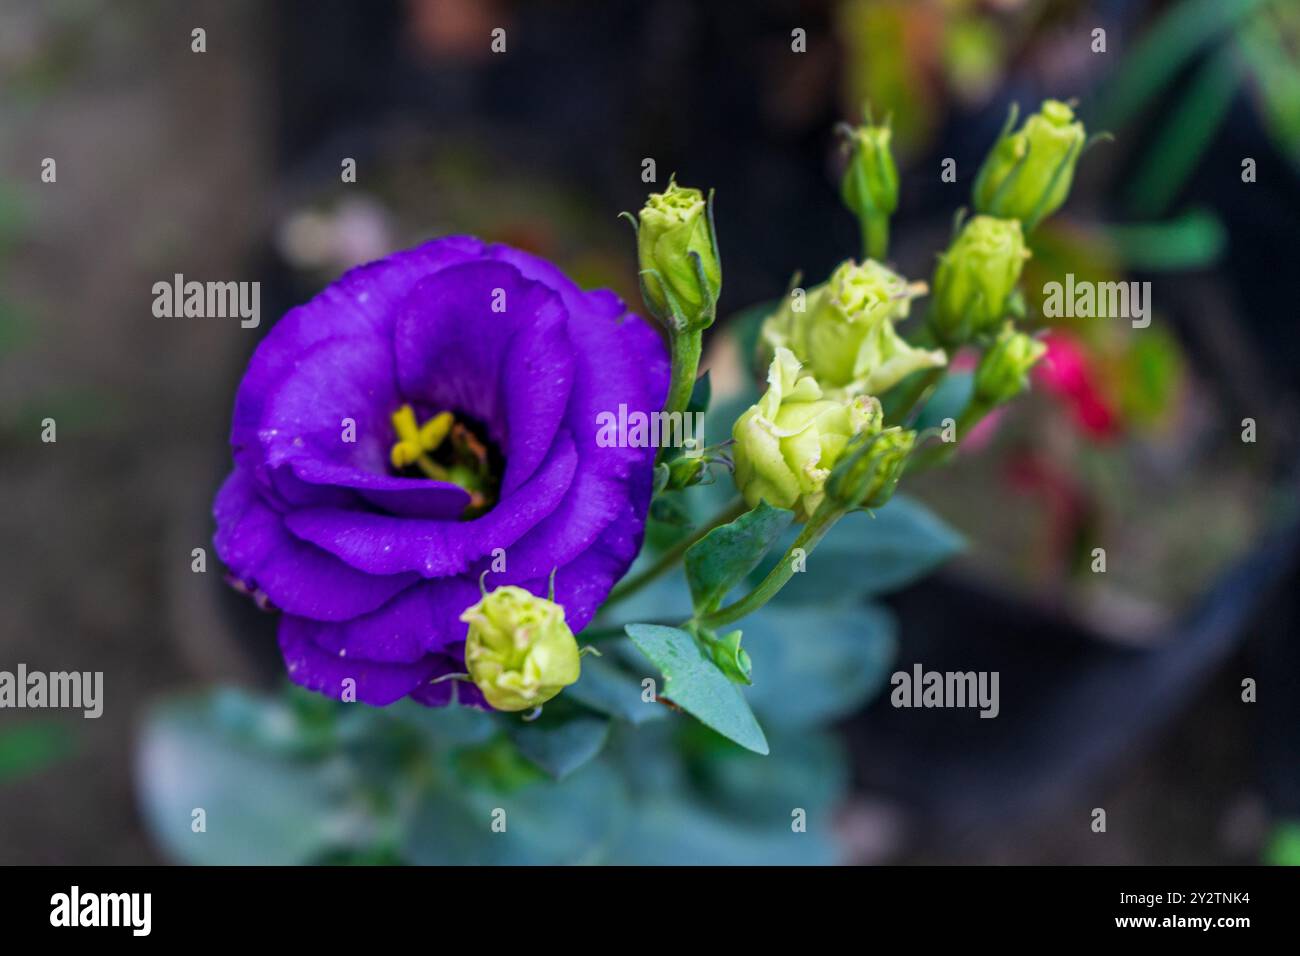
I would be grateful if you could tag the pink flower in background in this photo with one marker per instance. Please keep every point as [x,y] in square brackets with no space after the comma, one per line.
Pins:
[1066,372]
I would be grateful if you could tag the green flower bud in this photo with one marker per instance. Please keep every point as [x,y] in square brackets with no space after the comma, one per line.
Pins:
[787,444]
[686,470]
[681,275]
[845,333]
[519,652]
[1027,174]
[871,467]
[870,185]
[1003,371]
[974,280]
[732,659]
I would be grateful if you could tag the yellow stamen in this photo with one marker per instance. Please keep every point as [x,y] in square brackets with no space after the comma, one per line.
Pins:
[435,430]
[414,441]
[469,466]
[404,454]
[405,425]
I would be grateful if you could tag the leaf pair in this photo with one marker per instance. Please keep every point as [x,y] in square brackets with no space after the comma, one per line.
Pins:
[702,671]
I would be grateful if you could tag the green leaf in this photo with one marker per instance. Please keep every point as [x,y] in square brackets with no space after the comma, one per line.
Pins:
[1154,62]
[807,768]
[736,808]
[260,807]
[606,687]
[560,746]
[676,831]
[1194,240]
[874,553]
[32,746]
[670,509]
[810,682]
[443,727]
[1283,847]
[694,683]
[730,657]
[1185,134]
[661,476]
[721,559]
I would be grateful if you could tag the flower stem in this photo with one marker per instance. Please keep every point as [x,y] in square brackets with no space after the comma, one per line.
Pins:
[668,560]
[875,237]
[686,349]
[820,522]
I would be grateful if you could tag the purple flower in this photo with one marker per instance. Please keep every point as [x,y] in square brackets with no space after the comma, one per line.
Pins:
[372,564]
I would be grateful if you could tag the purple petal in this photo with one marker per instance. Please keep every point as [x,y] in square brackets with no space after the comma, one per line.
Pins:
[409,497]
[582,585]
[297,577]
[450,691]
[452,348]
[422,619]
[382,544]
[334,408]
[376,683]
[365,301]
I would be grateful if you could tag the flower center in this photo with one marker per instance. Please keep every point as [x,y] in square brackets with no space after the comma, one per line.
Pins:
[452,449]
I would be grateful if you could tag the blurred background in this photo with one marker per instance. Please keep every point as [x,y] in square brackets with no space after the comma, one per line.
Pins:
[1121,690]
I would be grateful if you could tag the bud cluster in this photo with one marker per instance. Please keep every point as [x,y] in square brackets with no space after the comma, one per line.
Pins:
[790,443]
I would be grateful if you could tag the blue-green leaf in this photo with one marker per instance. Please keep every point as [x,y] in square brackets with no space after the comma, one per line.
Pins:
[722,558]
[737,809]
[949,400]
[560,746]
[259,807]
[807,768]
[676,831]
[443,727]
[606,687]
[818,664]
[547,822]
[694,683]
[873,553]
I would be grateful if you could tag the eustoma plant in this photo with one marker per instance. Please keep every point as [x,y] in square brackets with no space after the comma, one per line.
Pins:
[425,486]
